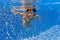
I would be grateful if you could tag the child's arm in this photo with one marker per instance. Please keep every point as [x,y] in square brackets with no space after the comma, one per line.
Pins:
[19,13]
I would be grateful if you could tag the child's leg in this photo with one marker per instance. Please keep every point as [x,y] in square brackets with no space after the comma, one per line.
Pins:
[24,23]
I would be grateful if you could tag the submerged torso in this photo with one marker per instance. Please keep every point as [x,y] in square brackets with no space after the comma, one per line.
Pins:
[28,17]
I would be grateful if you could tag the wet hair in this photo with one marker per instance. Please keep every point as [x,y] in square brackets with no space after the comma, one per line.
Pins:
[34,10]
[27,10]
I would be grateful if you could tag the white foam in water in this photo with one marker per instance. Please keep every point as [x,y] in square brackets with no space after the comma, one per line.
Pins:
[51,34]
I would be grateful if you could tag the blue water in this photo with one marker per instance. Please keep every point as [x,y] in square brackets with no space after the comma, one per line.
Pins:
[11,25]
